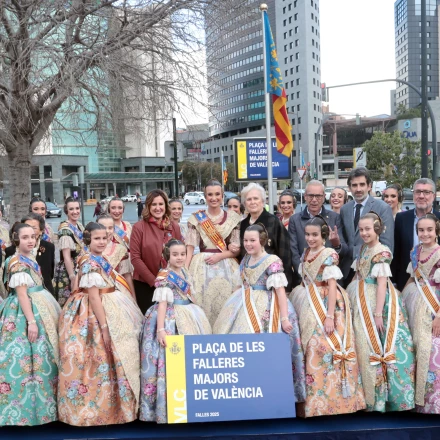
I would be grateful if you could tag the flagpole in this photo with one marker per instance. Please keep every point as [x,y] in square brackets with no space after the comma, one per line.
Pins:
[263,9]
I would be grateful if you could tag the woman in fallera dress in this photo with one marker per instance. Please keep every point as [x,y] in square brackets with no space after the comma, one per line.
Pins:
[122,229]
[116,253]
[176,207]
[71,247]
[28,340]
[383,341]
[99,371]
[422,299]
[260,304]
[333,379]
[212,269]
[173,314]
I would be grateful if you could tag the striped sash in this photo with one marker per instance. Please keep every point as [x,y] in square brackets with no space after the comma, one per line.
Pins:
[210,230]
[2,244]
[121,237]
[343,351]
[426,292]
[383,355]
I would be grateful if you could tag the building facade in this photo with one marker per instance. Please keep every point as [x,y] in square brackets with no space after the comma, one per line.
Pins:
[408,47]
[236,78]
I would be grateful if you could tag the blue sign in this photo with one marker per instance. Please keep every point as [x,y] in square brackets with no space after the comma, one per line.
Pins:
[229,377]
[251,161]
[409,134]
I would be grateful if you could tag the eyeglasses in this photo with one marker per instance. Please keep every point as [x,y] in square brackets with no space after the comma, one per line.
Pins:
[426,193]
[315,196]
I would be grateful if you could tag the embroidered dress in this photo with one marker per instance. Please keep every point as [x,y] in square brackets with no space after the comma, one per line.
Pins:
[118,256]
[67,240]
[427,347]
[48,234]
[333,379]
[388,386]
[182,317]
[99,387]
[213,283]
[183,230]
[28,372]
[256,293]
[122,230]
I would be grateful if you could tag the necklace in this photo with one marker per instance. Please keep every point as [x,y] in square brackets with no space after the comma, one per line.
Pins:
[317,251]
[426,249]
[215,217]
[253,261]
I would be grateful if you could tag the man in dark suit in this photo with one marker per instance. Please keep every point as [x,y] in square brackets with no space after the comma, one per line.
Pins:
[44,251]
[315,196]
[405,234]
[359,182]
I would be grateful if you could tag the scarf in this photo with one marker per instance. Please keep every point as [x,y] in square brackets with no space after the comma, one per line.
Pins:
[165,226]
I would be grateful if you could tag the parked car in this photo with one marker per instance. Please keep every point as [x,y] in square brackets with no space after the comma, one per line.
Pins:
[227,195]
[53,210]
[407,194]
[327,193]
[196,197]
[129,198]
[379,187]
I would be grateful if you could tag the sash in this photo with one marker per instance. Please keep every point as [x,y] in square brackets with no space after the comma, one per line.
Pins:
[251,309]
[179,282]
[380,354]
[78,235]
[423,285]
[2,244]
[106,267]
[122,236]
[210,230]
[342,351]
[45,237]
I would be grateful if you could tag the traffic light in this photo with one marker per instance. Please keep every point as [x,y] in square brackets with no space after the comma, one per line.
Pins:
[428,153]
[324,93]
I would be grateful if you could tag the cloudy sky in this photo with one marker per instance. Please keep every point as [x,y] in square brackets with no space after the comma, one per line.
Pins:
[357,44]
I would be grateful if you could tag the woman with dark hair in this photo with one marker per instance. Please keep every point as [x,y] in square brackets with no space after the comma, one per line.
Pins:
[122,230]
[99,328]
[43,252]
[71,246]
[38,206]
[286,207]
[393,196]
[148,238]
[234,204]
[212,269]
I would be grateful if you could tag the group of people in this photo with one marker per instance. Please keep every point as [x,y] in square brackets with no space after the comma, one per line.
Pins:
[83,341]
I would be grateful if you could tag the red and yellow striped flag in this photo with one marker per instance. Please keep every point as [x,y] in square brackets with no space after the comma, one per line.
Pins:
[283,129]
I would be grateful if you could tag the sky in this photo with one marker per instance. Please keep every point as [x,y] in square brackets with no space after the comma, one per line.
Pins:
[357,44]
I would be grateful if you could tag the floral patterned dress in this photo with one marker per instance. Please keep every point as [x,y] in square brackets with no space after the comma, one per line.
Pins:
[28,372]
[67,240]
[396,393]
[99,387]
[262,278]
[328,392]
[182,317]
[118,256]
[213,283]
[427,347]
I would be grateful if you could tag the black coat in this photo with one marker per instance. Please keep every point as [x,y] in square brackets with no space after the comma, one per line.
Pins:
[46,260]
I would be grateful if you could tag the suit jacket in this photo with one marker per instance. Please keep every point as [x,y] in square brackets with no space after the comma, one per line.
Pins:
[46,260]
[278,243]
[352,237]
[403,243]
[298,243]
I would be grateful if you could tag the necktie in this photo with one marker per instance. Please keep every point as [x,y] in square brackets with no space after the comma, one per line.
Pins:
[357,215]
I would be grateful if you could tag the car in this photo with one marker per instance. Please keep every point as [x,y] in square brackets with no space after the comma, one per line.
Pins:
[227,195]
[327,192]
[196,197]
[408,194]
[52,210]
[129,198]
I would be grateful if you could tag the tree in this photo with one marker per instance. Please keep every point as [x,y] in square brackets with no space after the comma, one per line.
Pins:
[59,58]
[408,113]
[395,157]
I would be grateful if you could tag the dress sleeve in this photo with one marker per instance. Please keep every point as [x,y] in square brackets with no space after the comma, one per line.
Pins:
[20,279]
[125,266]
[163,294]
[192,236]
[66,242]
[331,269]
[90,276]
[276,278]
[235,236]
[381,265]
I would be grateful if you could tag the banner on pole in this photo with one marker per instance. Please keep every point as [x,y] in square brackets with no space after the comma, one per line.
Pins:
[229,377]
[251,160]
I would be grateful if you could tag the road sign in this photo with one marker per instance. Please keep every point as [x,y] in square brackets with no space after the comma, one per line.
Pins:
[301,172]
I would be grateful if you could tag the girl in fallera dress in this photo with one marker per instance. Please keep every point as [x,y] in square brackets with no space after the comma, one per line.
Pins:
[422,299]
[260,303]
[173,314]
[333,379]
[71,246]
[122,229]
[383,340]
[213,230]
[99,371]
[116,253]
[28,340]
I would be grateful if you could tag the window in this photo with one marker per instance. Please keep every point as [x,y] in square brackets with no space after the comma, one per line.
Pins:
[312,15]
[314,68]
[313,55]
[297,69]
[291,70]
[285,48]
[285,35]
[296,29]
[314,81]
[291,45]
[292,83]
[284,10]
[314,119]
[298,107]
[294,3]
[289,7]
[429,88]
[290,19]
[297,97]
[296,17]
[314,94]
[290,32]
[299,136]
[296,43]
[293,109]
[292,96]
[313,42]
[285,73]
[297,56]
[293,121]
[284,22]
[297,81]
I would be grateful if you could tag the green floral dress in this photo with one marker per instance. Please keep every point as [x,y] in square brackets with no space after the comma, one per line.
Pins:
[28,371]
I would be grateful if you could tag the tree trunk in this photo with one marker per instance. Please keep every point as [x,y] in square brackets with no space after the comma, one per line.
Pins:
[19,173]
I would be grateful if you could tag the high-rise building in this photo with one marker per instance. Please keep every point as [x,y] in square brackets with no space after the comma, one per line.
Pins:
[236,78]
[408,46]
